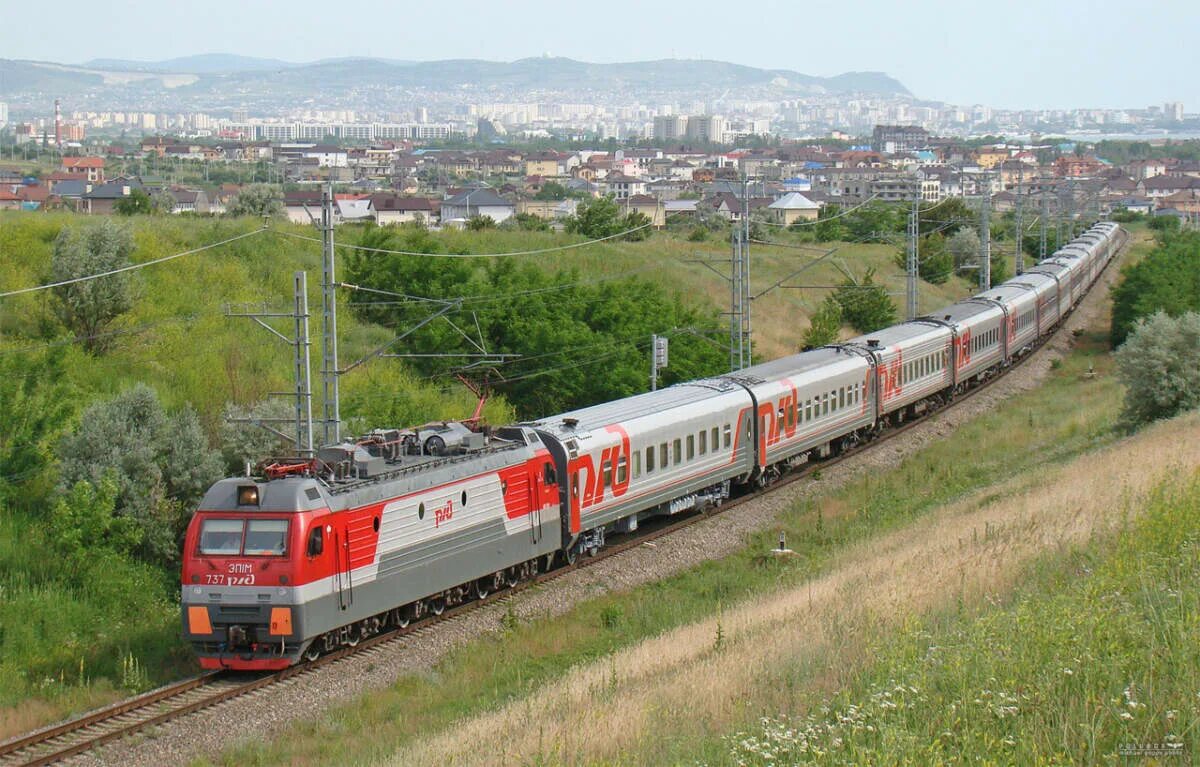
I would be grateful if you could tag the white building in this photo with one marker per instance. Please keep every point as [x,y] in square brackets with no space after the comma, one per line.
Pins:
[710,128]
[670,127]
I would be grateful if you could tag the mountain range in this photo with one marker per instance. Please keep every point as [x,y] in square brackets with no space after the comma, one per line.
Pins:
[218,75]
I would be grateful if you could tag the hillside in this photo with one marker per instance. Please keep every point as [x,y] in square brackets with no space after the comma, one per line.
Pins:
[217,75]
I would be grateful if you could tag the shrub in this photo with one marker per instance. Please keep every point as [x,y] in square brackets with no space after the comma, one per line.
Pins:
[161,465]
[865,305]
[1160,367]
[87,308]
[825,324]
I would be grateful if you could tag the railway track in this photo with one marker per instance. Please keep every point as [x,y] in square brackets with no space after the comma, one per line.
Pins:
[76,736]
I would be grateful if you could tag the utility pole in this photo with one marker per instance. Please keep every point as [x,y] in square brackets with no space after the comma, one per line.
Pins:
[985,235]
[912,262]
[1070,209]
[329,361]
[747,328]
[735,299]
[1045,215]
[740,327]
[303,366]
[301,363]
[1019,256]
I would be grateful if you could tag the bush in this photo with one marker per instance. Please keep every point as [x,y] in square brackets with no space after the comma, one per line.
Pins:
[1160,367]
[161,465]
[825,324]
[865,305]
[87,308]
[259,200]
[478,223]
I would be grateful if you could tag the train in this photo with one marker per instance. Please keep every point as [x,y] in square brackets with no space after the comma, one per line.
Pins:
[306,556]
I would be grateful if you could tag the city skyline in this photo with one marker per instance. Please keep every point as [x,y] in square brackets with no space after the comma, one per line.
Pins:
[1066,55]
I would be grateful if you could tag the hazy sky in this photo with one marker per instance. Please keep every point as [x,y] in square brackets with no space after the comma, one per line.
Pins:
[1049,53]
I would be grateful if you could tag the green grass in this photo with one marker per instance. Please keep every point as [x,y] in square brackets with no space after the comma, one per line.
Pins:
[177,337]
[1097,650]
[494,670]
[67,638]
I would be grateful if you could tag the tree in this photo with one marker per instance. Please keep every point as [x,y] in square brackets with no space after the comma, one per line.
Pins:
[1167,279]
[478,223]
[84,519]
[138,202]
[825,324]
[36,405]
[934,262]
[637,224]
[1160,367]
[830,227]
[865,305]
[963,246]
[259,200]
[596,218]
[161,464]
[87,308]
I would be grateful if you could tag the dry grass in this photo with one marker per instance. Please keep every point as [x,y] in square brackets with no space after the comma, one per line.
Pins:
[702,676]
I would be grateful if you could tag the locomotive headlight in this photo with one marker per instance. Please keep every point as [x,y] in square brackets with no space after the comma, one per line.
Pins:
[247,495]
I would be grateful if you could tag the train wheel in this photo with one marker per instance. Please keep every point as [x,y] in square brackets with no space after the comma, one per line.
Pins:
[312,653]
[570,555]
[511,577]
[353,636]
[437,606]
[483,587]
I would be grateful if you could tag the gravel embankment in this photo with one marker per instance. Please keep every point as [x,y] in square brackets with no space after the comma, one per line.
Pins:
[265,715]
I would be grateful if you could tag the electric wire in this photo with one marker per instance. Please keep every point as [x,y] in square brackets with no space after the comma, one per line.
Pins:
[130,267]
[539,251]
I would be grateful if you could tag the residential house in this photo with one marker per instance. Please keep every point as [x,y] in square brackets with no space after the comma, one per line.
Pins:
[729,206]
[543,164]
[189,200]
[394,209]
[89,168]
[621,186]
[101,198]
[1184,201]
[9,200]
[1143,169]
[548,209]
[477,202]
[989,157]
[685,208]
[650,207]
[1163,186]
[793,207]
[1071,166]
[302,206]
[1185,168]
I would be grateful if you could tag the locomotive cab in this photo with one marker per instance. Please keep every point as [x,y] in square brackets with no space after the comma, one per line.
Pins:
[243,557]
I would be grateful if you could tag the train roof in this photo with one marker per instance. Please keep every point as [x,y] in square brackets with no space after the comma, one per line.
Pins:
[913,331]
[636,406]
[794,365]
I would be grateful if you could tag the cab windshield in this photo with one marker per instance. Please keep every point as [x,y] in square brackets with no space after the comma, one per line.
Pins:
[244,537]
